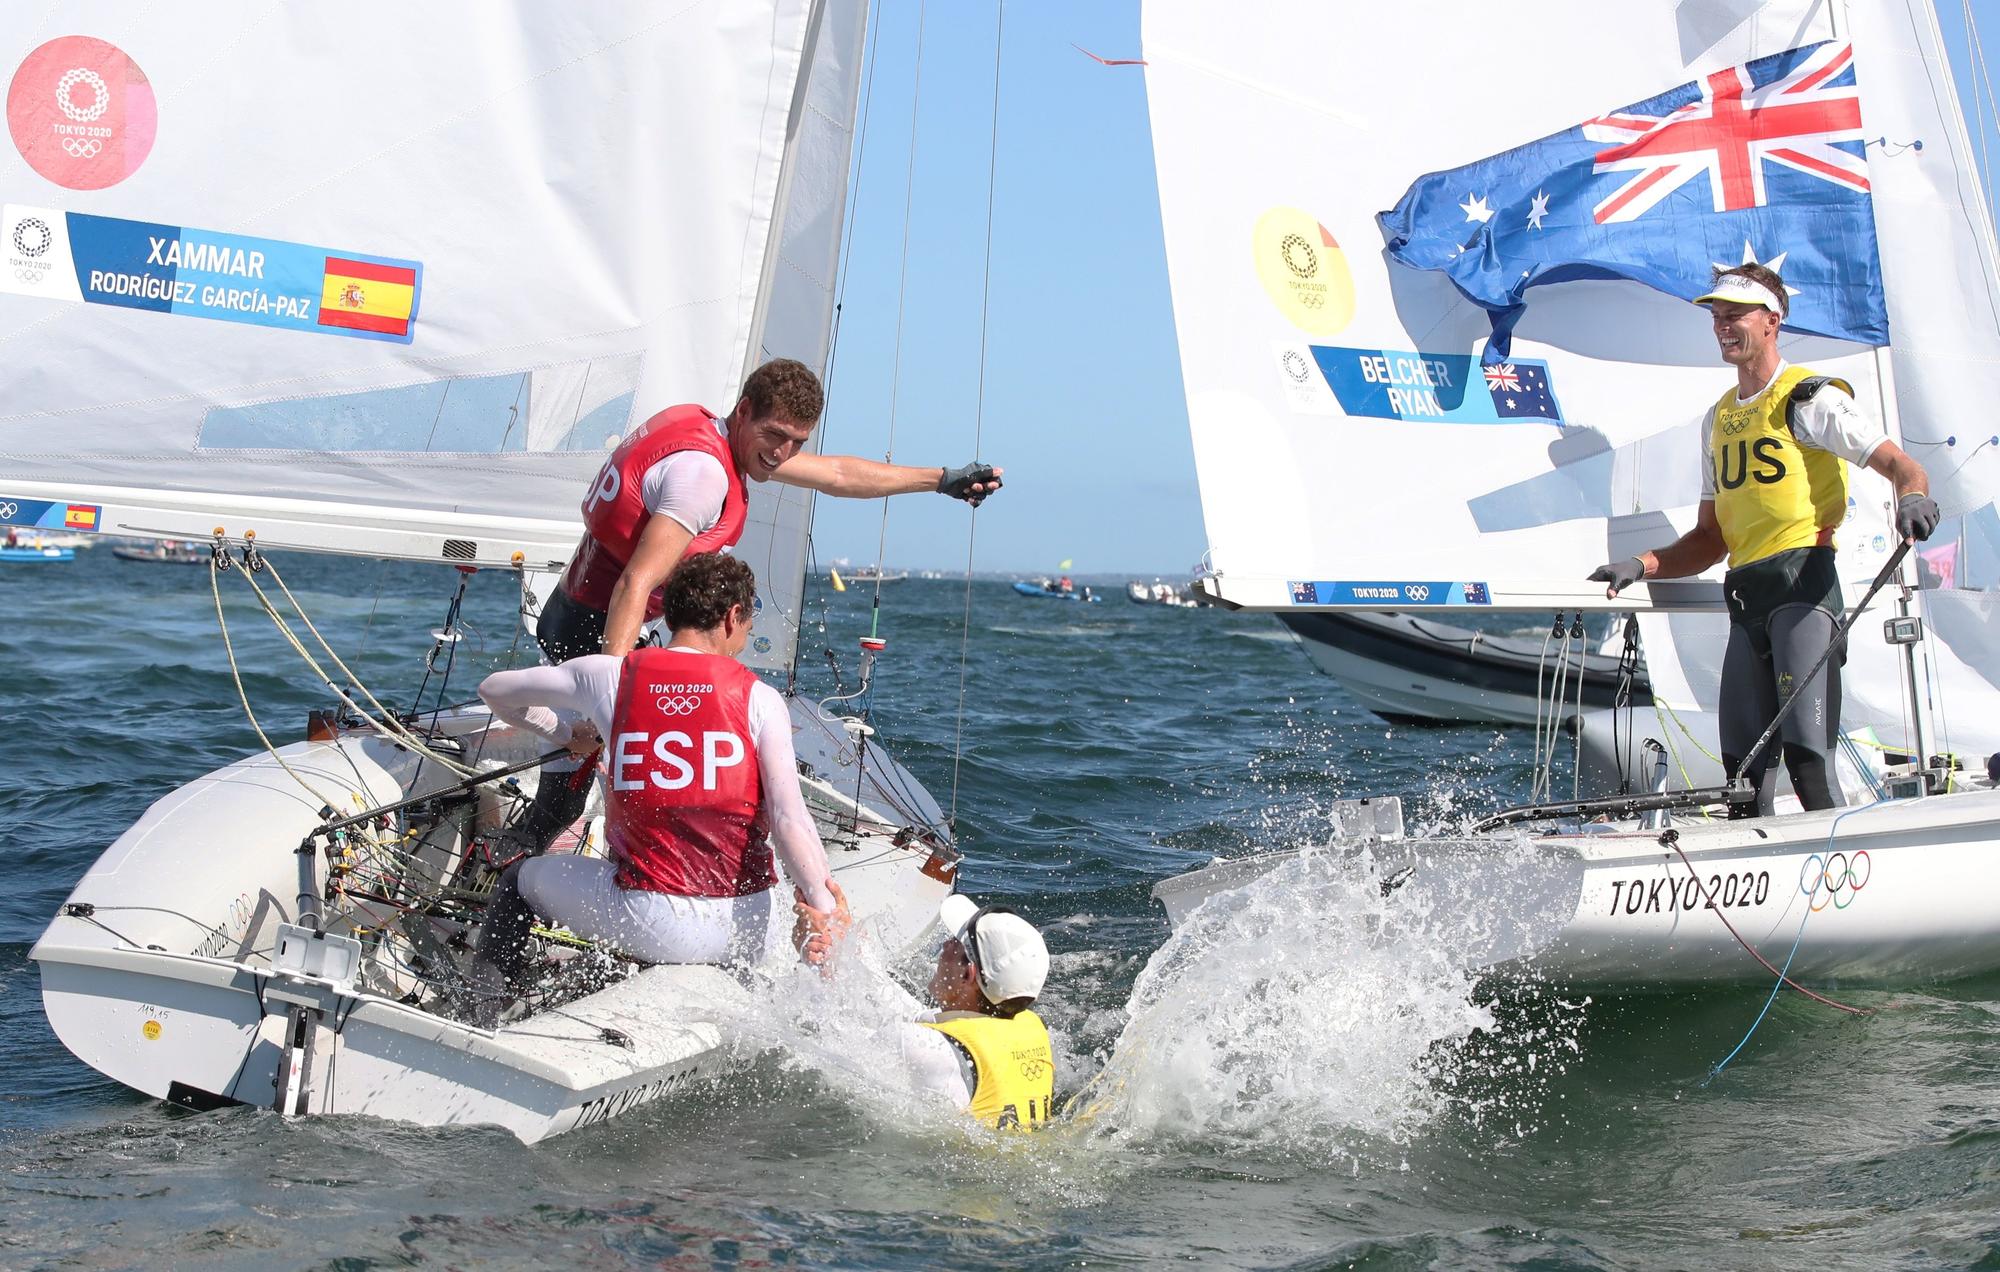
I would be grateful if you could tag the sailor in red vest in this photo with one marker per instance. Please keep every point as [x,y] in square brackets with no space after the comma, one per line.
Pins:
[703,786]
[677,487]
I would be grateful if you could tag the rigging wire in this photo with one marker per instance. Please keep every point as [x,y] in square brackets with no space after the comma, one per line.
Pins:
[389,727]
[979,414]
[902,288]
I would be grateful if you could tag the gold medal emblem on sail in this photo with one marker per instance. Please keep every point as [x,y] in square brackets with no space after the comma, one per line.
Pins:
[1303,271]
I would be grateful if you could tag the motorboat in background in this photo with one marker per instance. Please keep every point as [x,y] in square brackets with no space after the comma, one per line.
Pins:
[1055,590]
[1159,592]
[1415,670]
[162,552]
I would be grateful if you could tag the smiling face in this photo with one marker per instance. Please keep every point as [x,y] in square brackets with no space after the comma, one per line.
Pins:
[1744,334]
[761,444]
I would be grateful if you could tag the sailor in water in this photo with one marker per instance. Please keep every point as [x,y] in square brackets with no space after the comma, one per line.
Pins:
[1774,489]
[678,486]
[983,1050]
[703,785]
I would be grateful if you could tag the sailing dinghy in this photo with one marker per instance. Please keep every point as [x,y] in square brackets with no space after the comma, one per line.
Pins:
[411,325]
[1335,391]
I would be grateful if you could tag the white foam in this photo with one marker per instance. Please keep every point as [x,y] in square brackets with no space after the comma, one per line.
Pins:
[1309,1013]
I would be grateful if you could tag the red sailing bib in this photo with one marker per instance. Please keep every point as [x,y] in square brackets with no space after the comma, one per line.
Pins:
[615,513]
[686,810]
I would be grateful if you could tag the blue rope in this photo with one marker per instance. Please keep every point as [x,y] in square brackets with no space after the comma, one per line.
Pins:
[1715,1071]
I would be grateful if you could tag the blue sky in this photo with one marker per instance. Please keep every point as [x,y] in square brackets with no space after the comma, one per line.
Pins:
[1082,377]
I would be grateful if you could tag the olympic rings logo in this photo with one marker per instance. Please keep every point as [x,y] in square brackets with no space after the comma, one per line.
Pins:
[675,705]
[86,148]
[32,236]
[8,509]
[90,79]
[1835,879]
[1417,591]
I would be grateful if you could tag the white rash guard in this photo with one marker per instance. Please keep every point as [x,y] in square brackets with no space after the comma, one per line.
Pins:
[539,698]
[687,486]
[1831,421]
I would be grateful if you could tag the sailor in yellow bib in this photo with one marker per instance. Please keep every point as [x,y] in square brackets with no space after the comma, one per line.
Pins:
[983,1048]
[1774,490]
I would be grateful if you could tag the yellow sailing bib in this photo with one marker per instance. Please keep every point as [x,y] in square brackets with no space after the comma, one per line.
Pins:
[1771,493]
[1014,1069]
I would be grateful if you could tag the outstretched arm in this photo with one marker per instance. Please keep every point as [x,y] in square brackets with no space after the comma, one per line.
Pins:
[1692,553]
[851,477]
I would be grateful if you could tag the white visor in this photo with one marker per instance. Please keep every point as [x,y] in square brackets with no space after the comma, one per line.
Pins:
[1744,290]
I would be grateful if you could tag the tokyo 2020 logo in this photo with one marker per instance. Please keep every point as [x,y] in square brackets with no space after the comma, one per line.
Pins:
[82,113]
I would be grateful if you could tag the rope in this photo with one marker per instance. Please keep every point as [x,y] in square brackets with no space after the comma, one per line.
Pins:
[392,730]
[979,414]
[345,670]
[236,674]
[1783,975]
[1708,895]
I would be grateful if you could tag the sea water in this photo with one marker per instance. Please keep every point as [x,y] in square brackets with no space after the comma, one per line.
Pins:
[1310,1075]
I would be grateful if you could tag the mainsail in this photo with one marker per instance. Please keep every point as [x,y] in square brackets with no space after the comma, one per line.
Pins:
[1353,448]
[389,279]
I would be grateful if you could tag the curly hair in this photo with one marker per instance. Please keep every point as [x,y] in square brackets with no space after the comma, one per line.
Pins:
[788,387]
[703,587]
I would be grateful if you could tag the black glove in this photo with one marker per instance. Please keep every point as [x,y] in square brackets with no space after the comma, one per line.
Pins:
[1619,574]
[959,482]
[1916,517]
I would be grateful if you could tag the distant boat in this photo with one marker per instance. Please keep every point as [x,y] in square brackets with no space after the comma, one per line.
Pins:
[1418,671]
[870,575]
[32,548]
[165,552]
[1043,589]
[24,553]
[1157,593]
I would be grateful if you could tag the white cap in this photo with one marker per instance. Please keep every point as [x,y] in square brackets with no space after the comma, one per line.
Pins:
[1005,949]
[1744,290]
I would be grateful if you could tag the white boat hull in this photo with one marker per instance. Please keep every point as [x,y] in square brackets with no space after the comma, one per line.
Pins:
[1894,894]
[158,971]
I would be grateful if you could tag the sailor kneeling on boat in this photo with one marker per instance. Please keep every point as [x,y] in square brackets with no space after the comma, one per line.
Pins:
[703,786]
[983,1050]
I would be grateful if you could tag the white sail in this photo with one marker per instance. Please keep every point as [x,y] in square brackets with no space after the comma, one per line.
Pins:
[795,316]
[402,272]
[1265,137]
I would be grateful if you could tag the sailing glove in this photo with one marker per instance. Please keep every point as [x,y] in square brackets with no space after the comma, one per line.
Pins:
[1916,516]
[959,482]
[1619,574]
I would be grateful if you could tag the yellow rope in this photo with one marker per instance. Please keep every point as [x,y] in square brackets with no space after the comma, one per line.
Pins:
[1687,779]
[392,730]
[345,670]
[215,589]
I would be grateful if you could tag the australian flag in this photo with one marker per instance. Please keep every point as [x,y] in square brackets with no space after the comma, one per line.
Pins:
[1766,157]
[1520,391]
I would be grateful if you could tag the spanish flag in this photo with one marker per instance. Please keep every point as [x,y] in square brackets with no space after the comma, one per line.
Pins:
[365,296]
[80,517]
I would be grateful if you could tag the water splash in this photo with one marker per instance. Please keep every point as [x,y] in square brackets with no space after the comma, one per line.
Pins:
[1319,1013]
